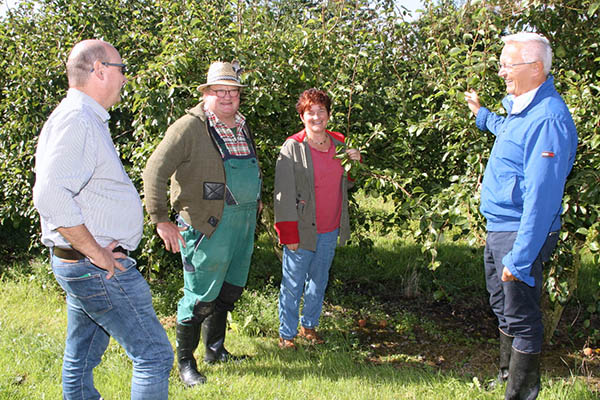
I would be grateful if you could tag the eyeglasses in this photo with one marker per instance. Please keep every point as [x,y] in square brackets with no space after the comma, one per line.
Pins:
[230,92]
[511,66]
[108,64]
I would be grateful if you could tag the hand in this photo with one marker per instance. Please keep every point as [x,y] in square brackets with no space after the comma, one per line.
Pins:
[260,206]
[292,246]
[107,260]
[507,276]
[170,234]
[82,240]
[353,154]
[473,101]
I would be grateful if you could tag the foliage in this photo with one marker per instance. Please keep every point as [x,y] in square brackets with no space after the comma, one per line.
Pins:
[397,87]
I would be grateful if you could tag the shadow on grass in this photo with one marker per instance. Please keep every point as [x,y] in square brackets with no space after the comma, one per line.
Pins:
[413,317]
[335,361]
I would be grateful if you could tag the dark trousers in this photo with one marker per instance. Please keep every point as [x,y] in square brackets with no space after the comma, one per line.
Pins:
[516,304]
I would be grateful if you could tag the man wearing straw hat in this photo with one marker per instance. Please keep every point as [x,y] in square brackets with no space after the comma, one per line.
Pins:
[210,157]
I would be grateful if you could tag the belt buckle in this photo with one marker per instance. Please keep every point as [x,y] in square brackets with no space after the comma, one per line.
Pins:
[120,249]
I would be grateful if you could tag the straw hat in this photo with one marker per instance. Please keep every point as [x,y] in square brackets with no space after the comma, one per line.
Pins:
[223,73]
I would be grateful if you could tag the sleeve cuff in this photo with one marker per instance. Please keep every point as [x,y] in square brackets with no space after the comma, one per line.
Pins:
[157,216]
[481,119]
[64,221]
[288,232]
[522,274]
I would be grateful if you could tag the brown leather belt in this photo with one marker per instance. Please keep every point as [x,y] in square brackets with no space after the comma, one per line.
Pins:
[74,255]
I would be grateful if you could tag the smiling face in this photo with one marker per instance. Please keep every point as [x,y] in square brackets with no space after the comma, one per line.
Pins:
[520,78]
[315,119]
[224,108]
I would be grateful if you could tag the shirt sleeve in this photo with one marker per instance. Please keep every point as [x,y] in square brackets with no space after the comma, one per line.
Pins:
[65,164]
[286,214]
[547,162]
[488,121]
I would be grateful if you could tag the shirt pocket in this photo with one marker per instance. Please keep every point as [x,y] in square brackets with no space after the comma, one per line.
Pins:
[300,205]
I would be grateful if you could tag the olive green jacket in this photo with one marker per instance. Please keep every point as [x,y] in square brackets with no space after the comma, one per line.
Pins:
[188,155]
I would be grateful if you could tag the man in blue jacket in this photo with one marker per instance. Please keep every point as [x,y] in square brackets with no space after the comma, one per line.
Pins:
[521,199]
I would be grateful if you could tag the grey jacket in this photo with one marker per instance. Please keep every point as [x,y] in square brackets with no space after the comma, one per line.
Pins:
[295,213]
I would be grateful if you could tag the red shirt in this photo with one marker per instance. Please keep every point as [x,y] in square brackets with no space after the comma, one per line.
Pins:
[328,174]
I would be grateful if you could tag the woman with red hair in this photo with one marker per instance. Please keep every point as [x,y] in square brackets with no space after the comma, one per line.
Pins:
[311,215]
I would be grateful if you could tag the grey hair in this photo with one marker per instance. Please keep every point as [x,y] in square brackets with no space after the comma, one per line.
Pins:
[81,63]
[538,50]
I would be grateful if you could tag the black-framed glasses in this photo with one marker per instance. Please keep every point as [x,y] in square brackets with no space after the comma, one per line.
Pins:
[511,66]
[224,92]
[109,64]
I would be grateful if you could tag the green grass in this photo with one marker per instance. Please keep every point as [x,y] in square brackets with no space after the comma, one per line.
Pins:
[32,328]
[386,281]
[32,321]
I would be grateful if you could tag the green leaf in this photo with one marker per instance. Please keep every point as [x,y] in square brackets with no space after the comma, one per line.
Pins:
[455,51]
[593,8]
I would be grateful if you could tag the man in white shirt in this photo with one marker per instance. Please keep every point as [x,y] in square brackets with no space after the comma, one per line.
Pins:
[91,217]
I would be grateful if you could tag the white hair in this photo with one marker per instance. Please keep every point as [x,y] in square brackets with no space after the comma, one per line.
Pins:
[538,50]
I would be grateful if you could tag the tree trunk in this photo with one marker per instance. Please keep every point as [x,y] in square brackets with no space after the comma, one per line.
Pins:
[563,272]
[267,221]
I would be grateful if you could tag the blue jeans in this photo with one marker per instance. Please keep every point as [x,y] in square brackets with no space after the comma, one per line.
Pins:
[121,307]
[305,271]
[516,305]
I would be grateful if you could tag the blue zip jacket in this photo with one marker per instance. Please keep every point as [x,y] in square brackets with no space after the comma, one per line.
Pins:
[525,176]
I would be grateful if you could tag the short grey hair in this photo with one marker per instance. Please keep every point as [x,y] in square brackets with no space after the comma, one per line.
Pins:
[538,50]
[80,64]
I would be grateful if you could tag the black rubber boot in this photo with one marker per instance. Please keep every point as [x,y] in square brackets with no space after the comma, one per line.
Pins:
[213,336]
[523,376]
[188,337]
[505,350]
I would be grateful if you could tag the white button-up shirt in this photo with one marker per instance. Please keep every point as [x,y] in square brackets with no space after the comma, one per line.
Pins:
[80,178]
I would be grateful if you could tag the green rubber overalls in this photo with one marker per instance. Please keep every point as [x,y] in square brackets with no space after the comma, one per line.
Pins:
[225,256]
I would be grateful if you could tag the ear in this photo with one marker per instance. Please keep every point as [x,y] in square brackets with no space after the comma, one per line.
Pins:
[539,67]
[98,69]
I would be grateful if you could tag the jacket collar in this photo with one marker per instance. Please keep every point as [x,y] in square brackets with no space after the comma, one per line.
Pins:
[301,136]
[544,90]
[197,111]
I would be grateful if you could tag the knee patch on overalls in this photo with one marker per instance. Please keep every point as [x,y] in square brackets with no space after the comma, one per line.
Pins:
[202,310]
[228,295]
